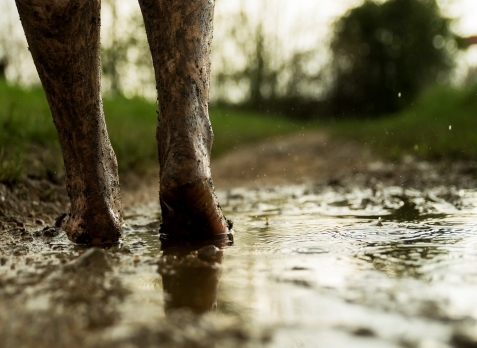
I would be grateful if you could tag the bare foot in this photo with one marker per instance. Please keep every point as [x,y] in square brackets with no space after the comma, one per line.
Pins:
[180,35]
[63,38]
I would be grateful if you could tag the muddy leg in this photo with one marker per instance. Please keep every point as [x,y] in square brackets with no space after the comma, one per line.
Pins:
[180,34]
[63,37]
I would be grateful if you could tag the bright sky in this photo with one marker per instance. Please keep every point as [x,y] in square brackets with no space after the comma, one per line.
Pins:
[324,11]
[308,23]
[300,23]
[463,10]
[465,13]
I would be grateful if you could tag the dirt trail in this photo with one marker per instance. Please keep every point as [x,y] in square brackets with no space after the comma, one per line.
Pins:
[296,158]
[305,157]
[313,157]
[301,157]
[42,305]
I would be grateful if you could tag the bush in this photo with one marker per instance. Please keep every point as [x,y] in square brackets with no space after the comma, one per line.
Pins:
[384,54]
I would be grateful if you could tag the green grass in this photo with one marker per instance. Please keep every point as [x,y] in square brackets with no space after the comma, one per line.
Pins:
[25,123]
[441,124]
[29,144]
[132,129]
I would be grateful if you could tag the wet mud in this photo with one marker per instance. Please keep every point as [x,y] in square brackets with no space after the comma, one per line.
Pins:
[375,254]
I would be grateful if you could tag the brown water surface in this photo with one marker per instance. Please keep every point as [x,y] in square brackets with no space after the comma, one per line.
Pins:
[326,266]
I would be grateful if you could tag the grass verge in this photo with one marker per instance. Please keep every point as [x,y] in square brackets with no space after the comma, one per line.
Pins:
[29,143]
[441,124]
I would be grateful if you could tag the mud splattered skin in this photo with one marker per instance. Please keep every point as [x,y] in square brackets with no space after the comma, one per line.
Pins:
[63,38]
[180,36]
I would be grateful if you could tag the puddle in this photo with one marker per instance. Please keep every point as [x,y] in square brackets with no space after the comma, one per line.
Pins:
[329,266]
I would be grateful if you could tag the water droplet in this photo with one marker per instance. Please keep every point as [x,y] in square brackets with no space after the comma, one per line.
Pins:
[379,223]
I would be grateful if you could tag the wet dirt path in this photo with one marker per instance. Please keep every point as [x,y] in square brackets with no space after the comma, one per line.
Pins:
[332,245]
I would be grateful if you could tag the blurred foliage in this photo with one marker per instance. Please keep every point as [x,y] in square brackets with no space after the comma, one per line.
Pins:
[385,54]
[259,74]
[14,53]
[255,65]
[26,125]
[126,61]
[3,67]
[29,142]
[441,124]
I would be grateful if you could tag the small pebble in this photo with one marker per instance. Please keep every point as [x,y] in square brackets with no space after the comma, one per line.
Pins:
[363,332]
[208,252]
[50,231]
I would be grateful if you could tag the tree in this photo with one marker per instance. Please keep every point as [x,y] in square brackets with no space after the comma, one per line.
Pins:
[253,63]
[384,54]
[258,63]
[125,58]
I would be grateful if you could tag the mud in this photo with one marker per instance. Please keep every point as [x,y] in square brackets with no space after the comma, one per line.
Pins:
[346,249]
[72,67]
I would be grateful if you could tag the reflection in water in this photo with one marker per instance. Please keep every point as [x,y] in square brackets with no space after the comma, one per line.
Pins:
[411,211]
[406,258]
[313,262]
[190,275]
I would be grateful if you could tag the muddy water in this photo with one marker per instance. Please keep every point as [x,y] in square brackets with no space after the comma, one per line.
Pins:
[324,266]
